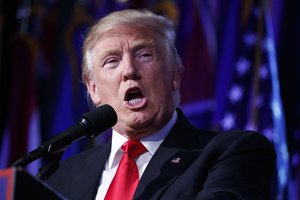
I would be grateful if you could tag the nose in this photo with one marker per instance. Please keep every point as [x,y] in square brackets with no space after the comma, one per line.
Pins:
[130,71]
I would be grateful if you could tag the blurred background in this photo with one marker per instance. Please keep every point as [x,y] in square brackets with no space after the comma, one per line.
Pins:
[242,71]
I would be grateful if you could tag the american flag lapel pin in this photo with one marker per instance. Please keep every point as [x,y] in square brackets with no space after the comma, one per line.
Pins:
[175,160]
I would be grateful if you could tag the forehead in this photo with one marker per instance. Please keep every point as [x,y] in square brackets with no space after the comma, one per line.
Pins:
[133,36]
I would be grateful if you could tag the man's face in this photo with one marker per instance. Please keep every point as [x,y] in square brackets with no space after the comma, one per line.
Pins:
[131,73]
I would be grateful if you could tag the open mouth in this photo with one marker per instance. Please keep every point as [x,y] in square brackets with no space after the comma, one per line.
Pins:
[134,97]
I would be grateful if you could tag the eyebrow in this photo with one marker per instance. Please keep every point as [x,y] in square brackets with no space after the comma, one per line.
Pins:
[139,44]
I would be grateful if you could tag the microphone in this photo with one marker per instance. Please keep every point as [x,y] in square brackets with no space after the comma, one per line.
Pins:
[90,124]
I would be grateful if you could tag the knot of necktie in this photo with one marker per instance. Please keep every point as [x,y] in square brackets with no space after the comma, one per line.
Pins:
[133,148]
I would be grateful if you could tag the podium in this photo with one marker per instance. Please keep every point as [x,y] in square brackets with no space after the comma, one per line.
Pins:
[18,184]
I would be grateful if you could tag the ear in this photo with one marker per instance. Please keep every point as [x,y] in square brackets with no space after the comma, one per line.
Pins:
[176,81]
[93,91]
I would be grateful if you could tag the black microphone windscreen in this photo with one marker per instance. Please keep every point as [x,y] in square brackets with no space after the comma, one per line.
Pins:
[100,119]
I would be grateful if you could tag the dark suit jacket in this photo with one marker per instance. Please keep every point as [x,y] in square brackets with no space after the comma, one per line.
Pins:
[189,164]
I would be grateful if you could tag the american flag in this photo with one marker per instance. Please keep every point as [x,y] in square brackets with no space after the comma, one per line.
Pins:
[253,98]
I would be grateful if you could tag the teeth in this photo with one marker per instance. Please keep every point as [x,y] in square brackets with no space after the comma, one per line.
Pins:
[134,101]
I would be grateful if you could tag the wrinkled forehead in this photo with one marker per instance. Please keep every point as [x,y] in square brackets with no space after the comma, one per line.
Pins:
[137,35]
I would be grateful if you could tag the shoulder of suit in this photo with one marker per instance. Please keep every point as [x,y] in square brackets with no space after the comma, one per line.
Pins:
[241,138]
[241,134]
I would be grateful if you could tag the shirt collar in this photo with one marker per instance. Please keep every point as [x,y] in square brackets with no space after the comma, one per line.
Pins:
[151,142]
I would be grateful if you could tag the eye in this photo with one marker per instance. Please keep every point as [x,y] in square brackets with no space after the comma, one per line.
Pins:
[111,63]
[144,55]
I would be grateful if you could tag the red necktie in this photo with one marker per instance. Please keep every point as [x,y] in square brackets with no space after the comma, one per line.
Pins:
[126,179]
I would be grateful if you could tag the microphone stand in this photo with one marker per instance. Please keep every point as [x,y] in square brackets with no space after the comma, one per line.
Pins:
[52,165]
[52,156]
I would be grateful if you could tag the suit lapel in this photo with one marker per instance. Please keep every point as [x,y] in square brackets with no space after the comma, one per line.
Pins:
[86,183]
[169,161]
[162,170]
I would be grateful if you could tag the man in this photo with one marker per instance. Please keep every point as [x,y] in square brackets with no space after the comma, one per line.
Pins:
[130,62]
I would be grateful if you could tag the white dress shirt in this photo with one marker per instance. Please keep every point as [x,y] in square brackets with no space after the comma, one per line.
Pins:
[151,143]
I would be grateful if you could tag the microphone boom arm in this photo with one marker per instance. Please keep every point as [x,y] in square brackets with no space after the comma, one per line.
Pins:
[88,125]
[55,144]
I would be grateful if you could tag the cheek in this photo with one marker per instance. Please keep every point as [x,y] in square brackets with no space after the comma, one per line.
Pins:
[107,87]
[162,85]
